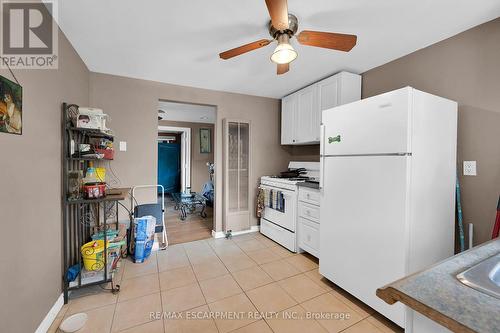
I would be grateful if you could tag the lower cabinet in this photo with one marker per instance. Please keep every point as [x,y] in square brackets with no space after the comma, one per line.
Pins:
[308,221]
[309,236]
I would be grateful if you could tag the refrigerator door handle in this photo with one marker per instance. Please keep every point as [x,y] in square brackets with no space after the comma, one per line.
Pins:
[322,153]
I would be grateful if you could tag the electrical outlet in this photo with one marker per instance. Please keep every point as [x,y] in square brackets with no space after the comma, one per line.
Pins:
[470,168]
[123,145]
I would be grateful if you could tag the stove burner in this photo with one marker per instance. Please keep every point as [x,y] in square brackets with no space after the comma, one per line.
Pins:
[298,178]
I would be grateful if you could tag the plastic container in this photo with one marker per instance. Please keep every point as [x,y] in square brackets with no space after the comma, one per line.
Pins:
[109,154]
[144,237]
[110,235]
[100,175]
[94,191]
[90,176]
[93,255]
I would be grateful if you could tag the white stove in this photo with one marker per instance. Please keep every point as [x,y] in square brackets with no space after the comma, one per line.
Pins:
[281,225]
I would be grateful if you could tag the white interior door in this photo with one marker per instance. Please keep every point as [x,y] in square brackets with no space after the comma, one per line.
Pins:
[363,226]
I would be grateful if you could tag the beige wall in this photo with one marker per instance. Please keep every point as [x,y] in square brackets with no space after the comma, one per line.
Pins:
[464,68]
[30,193]
[132,105]
[199,169]
[304,153]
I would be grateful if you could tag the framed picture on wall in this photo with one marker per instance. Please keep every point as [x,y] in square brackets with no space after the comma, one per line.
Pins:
[205,140]
[11,105]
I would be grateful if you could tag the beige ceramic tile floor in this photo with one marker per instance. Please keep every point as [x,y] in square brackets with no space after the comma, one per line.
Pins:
[247,284]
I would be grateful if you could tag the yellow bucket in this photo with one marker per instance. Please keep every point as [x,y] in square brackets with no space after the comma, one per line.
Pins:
[93,255]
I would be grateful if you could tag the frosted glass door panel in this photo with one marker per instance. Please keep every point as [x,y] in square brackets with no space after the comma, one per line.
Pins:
[233,146]
[243,168]
[244,144]
[233,190]
[233,143]
[237,157]
[243,190]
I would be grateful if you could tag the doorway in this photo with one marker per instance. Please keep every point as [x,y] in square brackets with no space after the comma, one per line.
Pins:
[173,138]
[186,142]
[169,162]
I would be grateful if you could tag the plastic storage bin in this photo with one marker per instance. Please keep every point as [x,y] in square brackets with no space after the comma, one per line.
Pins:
[144,237]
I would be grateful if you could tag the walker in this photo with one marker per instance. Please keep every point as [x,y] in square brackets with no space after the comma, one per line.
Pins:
[154,209]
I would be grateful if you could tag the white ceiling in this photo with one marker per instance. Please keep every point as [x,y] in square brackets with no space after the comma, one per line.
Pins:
[187,112]
[178,41]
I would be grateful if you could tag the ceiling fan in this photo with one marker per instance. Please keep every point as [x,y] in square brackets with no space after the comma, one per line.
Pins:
[282,27]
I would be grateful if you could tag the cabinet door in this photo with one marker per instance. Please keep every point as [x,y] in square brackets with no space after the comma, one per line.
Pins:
[288,119]
[328,97]
[349,88]
[306,123]
[328,93]
[309,236]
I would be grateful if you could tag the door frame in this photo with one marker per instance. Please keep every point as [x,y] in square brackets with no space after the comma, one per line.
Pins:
[185,152]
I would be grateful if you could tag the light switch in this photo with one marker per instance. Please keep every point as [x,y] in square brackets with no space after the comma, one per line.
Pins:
[123,145]
[470,168]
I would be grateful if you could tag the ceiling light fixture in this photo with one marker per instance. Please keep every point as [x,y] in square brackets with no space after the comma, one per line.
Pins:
[284,52]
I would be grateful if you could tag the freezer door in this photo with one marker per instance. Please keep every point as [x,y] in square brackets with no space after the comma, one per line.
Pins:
[363,226]
[376,125]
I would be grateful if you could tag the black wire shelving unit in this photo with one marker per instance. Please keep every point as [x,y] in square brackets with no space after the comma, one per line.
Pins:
[82,217]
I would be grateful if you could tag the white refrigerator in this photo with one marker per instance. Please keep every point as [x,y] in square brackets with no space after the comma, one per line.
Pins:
[387,180]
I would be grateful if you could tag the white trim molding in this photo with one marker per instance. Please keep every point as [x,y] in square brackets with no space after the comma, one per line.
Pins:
[185,152]
[51,316]
[221,234]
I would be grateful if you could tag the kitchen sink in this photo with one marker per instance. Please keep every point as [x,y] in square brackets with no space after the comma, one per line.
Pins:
[484,277]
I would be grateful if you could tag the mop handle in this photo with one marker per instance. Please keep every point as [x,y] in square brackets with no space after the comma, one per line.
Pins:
[460,218]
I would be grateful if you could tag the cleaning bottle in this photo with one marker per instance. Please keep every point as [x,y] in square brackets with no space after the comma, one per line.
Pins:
[90,176]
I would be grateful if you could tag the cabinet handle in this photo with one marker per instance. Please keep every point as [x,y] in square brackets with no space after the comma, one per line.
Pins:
[308,196]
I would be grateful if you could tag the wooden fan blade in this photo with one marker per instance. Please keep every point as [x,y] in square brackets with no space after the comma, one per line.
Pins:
[244,49]
[278,10]
[283,68]
[329,40]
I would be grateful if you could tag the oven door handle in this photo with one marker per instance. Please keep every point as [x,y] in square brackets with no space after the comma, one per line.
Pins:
[284,191]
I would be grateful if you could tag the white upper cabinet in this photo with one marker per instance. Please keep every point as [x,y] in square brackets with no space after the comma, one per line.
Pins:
[328,93]
[289,107]
[301,111]
[307,122]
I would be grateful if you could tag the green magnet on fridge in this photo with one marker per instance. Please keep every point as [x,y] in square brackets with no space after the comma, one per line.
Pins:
[334,139]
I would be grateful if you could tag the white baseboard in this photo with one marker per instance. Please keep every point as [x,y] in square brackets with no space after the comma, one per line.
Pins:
[49,318]
[217,234]
[221,234]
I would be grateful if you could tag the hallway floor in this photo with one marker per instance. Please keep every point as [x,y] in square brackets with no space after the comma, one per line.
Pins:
[193,228]
[221,285]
